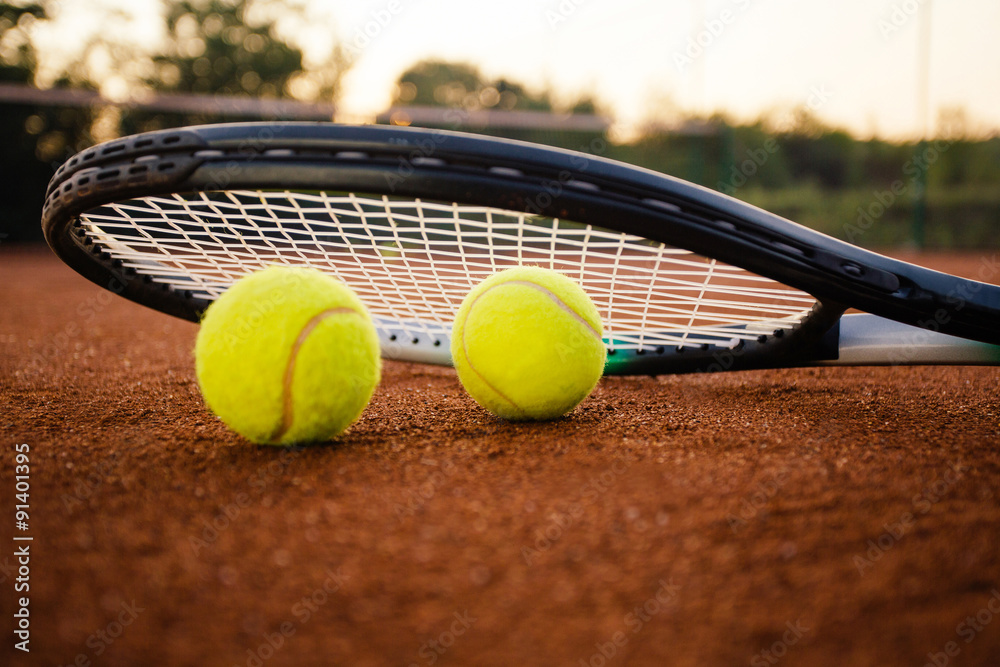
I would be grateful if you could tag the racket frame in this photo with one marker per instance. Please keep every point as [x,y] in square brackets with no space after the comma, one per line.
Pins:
[516,176]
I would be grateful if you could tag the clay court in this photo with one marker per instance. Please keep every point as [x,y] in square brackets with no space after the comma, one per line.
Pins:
[833,516]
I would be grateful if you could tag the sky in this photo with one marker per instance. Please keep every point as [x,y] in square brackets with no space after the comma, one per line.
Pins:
[855,63]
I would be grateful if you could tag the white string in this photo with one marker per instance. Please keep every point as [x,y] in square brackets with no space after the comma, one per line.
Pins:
[413,261]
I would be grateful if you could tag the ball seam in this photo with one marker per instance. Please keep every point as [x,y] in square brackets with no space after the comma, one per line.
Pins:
[552,297]
[288,402]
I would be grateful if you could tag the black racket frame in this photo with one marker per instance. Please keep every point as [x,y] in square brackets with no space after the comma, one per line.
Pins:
[486,171]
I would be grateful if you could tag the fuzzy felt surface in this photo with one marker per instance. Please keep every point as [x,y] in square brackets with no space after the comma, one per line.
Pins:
[287,355]
[527,344]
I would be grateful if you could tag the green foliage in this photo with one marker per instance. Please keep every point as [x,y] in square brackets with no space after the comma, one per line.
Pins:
[804,170]
[211,47]
[826,157]
[439,83]
[18,59]
[825,179]
[36,137]
[967,217]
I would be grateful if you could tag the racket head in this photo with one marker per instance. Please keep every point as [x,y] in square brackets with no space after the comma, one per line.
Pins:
[413,262]
[466,178]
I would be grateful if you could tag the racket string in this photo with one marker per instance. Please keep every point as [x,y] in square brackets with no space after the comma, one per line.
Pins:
[413,261]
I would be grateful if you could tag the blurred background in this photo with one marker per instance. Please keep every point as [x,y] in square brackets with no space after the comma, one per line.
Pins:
[877,122]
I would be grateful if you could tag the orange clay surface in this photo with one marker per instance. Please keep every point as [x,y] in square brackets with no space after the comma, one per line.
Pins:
[841,516]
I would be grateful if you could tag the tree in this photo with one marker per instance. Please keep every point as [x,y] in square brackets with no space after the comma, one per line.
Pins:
[439,83]
[18,59]
[442,84]
[226,47]
[211,49]
[36,136]
[214,47]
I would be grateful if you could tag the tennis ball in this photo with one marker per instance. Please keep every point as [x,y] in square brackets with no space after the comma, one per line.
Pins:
[287,355]
[527,344]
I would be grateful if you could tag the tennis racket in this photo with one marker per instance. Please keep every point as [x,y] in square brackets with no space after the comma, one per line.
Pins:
[686,279]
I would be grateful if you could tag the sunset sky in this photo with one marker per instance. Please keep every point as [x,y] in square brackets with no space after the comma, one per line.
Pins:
[854,61]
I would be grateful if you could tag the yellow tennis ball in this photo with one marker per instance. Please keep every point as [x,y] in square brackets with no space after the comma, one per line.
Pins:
[287,355]
[527,344]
